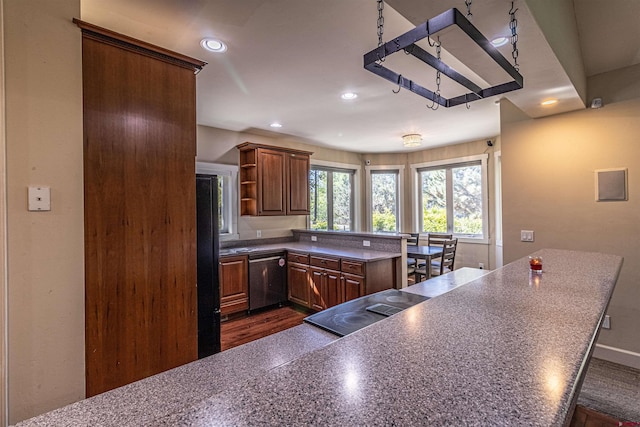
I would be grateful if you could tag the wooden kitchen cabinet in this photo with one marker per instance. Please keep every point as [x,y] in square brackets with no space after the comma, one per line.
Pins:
[298,197]
[139,117]
[327,288]
[298,283]
[273,180]
[353,287]
[272,184]
[234,284]
[332,281]
[316,300]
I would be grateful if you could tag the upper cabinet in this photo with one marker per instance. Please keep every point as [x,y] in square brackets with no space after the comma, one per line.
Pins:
[273,180]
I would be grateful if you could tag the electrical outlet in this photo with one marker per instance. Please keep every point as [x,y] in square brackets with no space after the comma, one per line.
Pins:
[366,243]
[258,233]
[606,323]
[481,265]
[314,238]
[526,235]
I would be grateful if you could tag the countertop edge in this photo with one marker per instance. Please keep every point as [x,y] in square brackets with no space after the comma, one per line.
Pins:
[341,252]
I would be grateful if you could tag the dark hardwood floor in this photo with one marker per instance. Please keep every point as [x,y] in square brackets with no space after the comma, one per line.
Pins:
[241,330]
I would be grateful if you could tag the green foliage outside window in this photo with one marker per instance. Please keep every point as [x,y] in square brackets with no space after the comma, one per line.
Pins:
[465,185]
[384,221]
[434,219]
[337,202]
[468,225]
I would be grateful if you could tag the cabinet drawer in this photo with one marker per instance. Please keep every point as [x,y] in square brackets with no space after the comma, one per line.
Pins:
[297,257]
[329,263]
[234,306]
[354,267]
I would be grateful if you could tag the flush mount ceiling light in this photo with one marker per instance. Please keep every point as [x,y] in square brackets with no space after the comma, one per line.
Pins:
[349,96]
[412,140]
[213,45]
[275,125]
[549,102]
[374,59]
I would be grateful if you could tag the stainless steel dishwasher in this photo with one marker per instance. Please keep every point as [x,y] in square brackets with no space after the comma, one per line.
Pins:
[267,280]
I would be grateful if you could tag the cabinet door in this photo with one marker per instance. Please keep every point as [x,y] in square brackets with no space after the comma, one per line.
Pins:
[353,286]
[298,280]
[298,180]
[318,288]
[234,284]
[271,178]
[334,288]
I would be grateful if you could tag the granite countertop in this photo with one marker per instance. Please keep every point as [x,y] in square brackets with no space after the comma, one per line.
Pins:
[336,251]
[142,402]
[508,348]
[440,285]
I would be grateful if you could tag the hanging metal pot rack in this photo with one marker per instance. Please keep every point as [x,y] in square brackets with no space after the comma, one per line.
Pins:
[374,60]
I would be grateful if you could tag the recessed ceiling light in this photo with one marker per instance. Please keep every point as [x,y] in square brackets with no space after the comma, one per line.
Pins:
[213,45]
[500,41]
[349,95]
[275,125]
[549,102]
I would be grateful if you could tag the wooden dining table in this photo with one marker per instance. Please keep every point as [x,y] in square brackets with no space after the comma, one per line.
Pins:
[424,252]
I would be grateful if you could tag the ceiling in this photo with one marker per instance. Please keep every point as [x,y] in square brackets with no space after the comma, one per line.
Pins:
[288,61]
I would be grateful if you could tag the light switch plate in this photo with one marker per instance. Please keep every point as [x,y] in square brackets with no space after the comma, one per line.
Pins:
[526,235]
[39,199]
[366,243]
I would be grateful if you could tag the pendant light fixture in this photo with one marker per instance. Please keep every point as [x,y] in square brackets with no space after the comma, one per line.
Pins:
[373,60]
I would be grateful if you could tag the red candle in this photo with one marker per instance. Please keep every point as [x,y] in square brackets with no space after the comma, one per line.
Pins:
[535,263]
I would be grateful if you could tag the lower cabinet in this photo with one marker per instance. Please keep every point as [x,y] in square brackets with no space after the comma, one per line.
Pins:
[234,284]
[327,288]
[320,282]
[298,283]
[353,287]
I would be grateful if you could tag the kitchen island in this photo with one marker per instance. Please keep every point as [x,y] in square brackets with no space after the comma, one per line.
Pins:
[508,348]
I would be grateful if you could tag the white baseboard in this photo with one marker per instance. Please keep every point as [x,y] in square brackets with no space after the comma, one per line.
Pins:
[617,355]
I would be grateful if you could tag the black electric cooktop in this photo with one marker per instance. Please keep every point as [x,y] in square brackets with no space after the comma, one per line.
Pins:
[350,316]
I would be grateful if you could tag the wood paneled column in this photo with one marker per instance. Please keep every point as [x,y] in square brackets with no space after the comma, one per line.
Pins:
[139,189]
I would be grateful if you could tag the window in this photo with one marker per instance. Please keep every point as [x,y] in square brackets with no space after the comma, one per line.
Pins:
[384,189]
[332,198]
[227,196]
[452,197]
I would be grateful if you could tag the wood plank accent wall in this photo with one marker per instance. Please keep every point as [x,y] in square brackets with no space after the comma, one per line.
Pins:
[140,224]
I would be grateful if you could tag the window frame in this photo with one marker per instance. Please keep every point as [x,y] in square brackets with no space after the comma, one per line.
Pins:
[399,169]
[355,189]
[452,163]
[228,174]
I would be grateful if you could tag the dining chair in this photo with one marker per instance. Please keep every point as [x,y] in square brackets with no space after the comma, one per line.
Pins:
[438,239]
[445,263]
[411,262]
[435,239]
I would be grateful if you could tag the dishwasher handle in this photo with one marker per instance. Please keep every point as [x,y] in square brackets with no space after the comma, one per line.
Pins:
[273,258]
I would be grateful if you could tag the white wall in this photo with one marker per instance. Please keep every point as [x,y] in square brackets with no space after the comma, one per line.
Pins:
[548,180]
[45,249]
